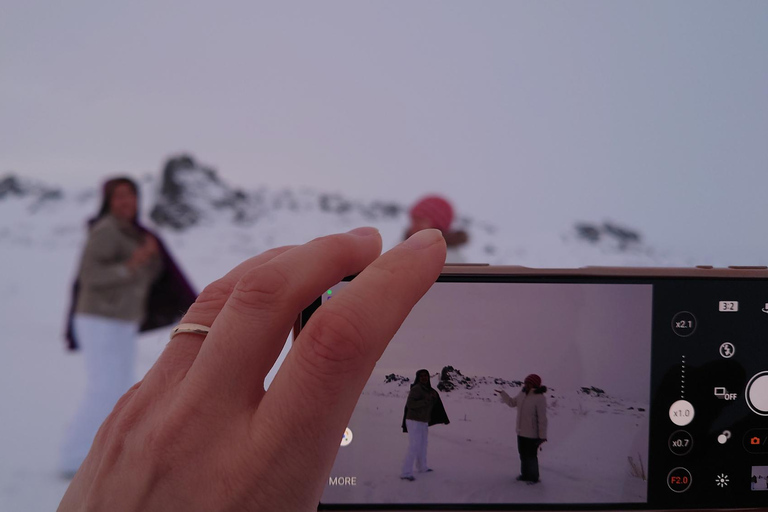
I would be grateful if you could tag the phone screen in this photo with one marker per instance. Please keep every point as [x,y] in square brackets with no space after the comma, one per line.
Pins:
[523,393]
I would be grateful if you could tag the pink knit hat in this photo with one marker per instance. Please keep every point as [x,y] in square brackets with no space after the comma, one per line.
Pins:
[533,381]
[435,209]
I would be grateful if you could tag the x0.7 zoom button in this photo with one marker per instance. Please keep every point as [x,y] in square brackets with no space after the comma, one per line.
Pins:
[680,442]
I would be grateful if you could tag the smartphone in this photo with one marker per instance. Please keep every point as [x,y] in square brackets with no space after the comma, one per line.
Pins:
[596,388]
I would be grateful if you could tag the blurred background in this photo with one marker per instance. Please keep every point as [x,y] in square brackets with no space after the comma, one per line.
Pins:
[563,134]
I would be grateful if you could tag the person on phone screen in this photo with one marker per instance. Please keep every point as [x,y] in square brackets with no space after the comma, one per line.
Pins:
[422,409]
[127,282]
[531,405]
[435,212]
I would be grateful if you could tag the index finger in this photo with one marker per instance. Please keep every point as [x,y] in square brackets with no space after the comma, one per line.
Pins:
[313,394]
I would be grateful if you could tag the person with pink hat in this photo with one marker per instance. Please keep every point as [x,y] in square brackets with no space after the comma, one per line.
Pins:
[435,212]
[531,405]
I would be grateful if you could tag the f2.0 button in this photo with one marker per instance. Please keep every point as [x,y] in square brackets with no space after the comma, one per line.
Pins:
[679,480]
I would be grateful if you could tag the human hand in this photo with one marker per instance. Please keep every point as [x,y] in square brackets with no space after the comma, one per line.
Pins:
[150,245]
[142,254]
[199,432]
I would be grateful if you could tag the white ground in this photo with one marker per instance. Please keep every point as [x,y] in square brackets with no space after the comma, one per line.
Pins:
[475,457]
[41,384]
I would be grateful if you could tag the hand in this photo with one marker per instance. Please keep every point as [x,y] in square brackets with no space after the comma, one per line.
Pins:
[142,254]
[150,245]
[199,432]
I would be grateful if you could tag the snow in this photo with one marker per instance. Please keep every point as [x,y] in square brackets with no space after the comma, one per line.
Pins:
[40,243]
[475,458]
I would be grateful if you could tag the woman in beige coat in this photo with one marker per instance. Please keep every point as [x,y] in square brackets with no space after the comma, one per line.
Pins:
[120,270]
[531,404]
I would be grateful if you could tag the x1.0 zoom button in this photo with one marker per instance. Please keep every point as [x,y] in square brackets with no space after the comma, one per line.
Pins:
[681,413]
[684,324]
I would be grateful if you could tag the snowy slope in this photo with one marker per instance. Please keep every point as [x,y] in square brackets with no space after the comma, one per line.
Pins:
[475,457]
[42,233]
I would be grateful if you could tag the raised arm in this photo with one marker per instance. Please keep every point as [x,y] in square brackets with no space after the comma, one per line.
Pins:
[512,402]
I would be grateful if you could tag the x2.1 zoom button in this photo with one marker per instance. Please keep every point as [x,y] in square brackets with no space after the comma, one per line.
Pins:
[684,324]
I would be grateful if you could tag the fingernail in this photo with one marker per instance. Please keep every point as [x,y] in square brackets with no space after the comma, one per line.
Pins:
[423,239]
[364,231]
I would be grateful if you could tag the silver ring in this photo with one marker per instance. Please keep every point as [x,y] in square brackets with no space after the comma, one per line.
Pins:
[191,329]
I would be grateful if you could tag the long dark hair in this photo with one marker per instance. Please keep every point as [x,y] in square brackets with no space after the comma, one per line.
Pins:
[417,381]
[108,190]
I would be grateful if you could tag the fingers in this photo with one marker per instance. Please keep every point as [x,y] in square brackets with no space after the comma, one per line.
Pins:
[251,329]
[315,390]
[181,351]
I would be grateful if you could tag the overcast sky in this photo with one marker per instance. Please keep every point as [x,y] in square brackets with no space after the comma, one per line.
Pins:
[654,114]
[572,335]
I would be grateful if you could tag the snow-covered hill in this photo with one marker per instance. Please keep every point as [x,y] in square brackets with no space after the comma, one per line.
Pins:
[210,226]
[191,203]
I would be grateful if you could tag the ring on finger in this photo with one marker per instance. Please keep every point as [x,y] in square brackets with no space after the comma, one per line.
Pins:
[190,329]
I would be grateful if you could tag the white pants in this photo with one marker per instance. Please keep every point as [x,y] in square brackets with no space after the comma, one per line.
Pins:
[417,447]
[109,349]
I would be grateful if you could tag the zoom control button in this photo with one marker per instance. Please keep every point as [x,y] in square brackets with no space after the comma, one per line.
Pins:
[681,413]
[679,480]
[680,442]
[684,324]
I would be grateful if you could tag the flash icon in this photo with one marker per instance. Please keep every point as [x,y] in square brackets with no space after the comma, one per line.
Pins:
[727,350]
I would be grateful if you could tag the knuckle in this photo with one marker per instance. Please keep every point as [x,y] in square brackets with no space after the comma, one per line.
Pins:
[335,342]
[265,287]
[213,297]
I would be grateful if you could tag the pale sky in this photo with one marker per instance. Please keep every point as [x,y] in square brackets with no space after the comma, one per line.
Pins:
[653,114]
[572,335]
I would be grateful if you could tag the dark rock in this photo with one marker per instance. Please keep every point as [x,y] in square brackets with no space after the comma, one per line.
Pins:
[397,379]
[588,232]
[334,203]
[623,235]
[189,191]
[592,390]
[10,185]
